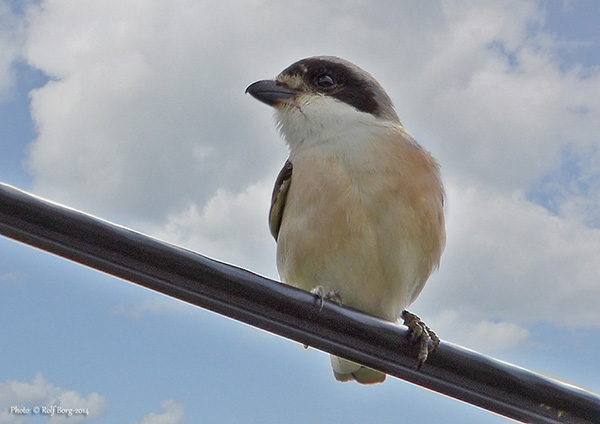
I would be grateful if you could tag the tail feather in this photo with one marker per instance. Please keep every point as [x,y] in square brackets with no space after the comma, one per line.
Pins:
[345,370]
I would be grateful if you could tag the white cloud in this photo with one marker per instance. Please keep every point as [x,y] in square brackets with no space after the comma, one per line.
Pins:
[484,336]
[146,112]
[41,393]
[153,306]
[141,89]
[511,261]
[146,121]
[572,190]
[229,226]
[12,277]
[494,100]
[174,414]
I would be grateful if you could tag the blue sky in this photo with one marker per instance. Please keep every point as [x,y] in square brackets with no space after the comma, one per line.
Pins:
[135,112]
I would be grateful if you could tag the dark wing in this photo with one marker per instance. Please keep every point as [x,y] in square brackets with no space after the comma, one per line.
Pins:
[280,191]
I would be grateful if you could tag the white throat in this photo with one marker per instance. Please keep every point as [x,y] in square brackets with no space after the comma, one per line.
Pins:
[316,120]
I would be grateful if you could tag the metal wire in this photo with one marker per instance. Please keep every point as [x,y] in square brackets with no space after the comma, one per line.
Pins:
[452,370]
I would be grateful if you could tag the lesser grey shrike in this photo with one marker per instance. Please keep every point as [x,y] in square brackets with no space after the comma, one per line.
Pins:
[357,210]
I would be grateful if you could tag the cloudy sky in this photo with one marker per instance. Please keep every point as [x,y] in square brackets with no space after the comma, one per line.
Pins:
[135,111]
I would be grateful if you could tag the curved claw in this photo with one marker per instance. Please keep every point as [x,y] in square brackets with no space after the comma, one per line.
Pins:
[421,332]
[332,295]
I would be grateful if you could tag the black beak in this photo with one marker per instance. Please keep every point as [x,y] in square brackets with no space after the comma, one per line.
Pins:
[270,92]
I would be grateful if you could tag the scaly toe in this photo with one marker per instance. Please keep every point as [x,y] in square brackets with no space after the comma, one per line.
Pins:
[334,296]
[319,293]
[420,331]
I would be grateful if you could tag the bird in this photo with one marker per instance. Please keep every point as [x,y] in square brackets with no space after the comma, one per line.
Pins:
[357,209]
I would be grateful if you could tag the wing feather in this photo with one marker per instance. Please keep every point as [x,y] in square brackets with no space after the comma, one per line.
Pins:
[280,191]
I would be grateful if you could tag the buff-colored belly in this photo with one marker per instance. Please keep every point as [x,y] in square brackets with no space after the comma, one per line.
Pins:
[359,232]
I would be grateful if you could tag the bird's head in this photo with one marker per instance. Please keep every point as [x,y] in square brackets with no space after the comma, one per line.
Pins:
[319,97]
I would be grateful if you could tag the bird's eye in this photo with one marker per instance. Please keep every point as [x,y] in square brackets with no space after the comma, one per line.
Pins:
[324,81]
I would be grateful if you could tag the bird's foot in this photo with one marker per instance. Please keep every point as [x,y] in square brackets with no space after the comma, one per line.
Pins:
[332,295]
[421,332]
